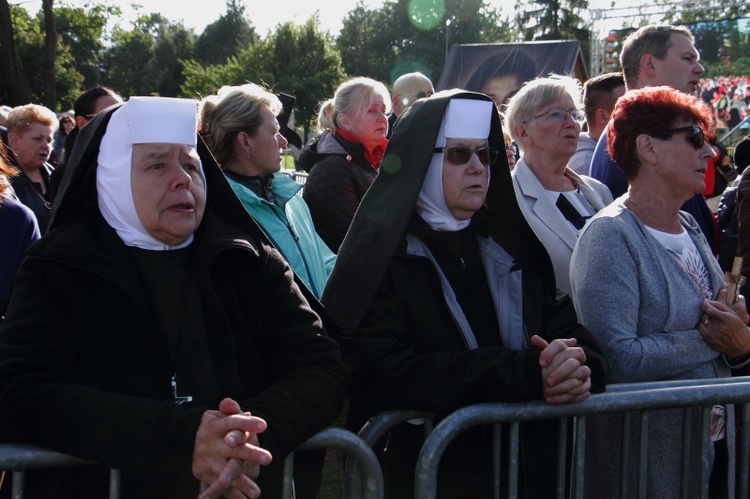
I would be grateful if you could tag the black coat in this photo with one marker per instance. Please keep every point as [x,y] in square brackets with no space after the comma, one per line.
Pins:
[400,341]
[339,176]
[83,368]
[30,195]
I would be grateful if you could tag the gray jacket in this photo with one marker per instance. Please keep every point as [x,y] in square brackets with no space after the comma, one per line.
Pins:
[643,309]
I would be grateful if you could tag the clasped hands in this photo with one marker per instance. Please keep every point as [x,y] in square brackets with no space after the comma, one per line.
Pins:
[565,377]
[227,454]
[724,326]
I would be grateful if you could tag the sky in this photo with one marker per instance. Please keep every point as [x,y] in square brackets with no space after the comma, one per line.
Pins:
[263,15]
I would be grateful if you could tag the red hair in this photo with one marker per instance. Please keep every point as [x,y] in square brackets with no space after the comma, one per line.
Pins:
[649,111]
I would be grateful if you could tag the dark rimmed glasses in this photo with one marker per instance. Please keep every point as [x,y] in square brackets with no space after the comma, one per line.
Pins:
[460,155]
[697,138]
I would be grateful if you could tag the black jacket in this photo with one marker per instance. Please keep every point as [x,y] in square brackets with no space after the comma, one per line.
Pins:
[30,195]
[83,368]
[400,341]
[339,176]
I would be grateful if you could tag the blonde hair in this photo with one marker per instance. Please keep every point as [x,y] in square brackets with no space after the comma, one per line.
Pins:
[22,117]
[538,93]
[352,98]
[232,110]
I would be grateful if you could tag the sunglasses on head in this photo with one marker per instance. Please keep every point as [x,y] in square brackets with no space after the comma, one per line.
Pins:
[460,155]
[697,138]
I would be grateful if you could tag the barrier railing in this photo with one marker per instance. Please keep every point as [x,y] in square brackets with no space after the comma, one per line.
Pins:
[635,397]
[17,458]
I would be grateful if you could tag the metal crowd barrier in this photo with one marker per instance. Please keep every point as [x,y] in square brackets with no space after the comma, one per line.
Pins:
[17,458]
[626,399]
[300,177]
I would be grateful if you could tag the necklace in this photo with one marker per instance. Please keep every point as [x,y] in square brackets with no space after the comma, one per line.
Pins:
[653,222]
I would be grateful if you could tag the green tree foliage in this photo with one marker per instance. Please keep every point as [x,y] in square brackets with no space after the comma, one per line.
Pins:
[555,20]
[297,60]
[29,42]
[414,35]
[14,88]
[146,60]
[306,64]
[82,31]
[362,53]
[691,11]
[226,37]
[173,43]
[125,62]
[251,65]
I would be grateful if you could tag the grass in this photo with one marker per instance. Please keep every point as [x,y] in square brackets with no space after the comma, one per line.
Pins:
[332,484]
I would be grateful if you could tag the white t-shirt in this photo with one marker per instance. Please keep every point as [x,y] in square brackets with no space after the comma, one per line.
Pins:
[683,249]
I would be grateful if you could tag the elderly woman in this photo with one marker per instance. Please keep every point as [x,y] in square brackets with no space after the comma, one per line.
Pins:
[240,127]
[344,160]
[164,316]
[646,283]
[30,131]
[455,298]
[544,119]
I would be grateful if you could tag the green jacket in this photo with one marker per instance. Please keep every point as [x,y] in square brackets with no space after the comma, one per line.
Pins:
[289,226]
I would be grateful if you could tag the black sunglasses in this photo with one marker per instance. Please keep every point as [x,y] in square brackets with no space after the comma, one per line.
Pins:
[460,155]
[697,138]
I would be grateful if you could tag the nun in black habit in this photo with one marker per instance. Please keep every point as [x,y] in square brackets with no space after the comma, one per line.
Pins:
[446,298]
[151,316]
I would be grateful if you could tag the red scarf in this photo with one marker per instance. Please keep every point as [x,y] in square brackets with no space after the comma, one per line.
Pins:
[373,157]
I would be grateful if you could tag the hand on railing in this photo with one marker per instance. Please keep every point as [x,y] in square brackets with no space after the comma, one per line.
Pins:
[227,455]
[565,377]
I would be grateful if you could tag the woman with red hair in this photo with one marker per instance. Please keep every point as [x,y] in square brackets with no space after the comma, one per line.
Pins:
[647,285]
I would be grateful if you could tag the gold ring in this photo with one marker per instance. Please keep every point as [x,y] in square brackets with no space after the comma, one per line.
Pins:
[705,321]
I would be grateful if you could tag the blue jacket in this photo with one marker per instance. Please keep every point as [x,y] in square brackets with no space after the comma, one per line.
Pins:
[288,224]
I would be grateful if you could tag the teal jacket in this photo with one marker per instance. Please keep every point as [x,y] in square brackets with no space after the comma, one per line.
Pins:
[289,226]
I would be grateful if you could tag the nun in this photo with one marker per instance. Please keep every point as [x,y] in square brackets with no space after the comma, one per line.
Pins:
[446,298]
[153,330]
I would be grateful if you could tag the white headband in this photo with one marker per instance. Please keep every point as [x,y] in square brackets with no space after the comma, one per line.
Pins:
[140,120]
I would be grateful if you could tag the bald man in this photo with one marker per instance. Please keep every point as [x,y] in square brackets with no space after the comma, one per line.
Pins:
[406,89]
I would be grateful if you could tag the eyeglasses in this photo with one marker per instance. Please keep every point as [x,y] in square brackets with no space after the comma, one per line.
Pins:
[697,138]
[557,114]
[460,155]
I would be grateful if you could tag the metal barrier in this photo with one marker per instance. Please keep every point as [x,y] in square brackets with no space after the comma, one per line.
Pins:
[18,457]
[299,177]
[358,452]
[634,397]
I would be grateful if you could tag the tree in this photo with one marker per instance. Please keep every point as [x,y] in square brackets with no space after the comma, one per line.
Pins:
[82,31]
[305,64]
[29,42]
[250,65]
[18,90]
[226,37]
[49,74]
[357,42]
[173,43]
[554,20]
[403,36]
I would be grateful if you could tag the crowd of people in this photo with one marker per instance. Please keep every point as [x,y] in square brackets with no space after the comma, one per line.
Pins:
[188,313]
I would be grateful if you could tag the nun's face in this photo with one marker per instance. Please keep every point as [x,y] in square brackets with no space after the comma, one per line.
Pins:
[168,190]
[464,184]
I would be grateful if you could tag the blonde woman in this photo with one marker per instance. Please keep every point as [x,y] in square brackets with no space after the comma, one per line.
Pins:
[30,132]
[240,127]
[344,159]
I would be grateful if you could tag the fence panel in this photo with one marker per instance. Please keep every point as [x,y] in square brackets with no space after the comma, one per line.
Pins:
[17,458]
[620,399]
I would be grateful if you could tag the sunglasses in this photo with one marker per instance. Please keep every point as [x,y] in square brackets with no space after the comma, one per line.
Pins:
[697,138]
[460,155]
